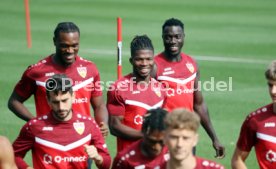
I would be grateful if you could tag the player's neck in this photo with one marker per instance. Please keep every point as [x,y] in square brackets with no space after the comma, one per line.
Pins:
[172,58]
[274,108]
[138,79]
[188,163]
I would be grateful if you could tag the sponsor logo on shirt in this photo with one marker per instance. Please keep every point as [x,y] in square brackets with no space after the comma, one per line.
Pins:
[168,71]
[79,127]
[80,100]
[269,124]
[140,167]
[47,129]
[172,92]
[138,119]
[49,74]
[135,92]
[82,71]
[190,67]
[58,159]
[271,156]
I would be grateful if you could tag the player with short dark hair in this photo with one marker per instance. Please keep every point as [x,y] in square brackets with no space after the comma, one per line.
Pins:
[181,135]
[258,130]
[180,74]
[149,152]
[63,138]
[129,98]
[83,73]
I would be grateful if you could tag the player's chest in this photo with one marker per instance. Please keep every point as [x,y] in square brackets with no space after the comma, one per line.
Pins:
[56,133]
[177,70]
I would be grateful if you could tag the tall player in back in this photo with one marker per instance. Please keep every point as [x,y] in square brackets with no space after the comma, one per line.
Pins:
[129,98]
[83,73]
[180,74]
[258,130]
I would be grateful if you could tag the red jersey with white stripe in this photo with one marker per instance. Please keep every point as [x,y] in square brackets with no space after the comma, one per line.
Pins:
[132,158]
[131,100]
[259,131]
[178,78]
[60,145]
[207,164]
[85,78]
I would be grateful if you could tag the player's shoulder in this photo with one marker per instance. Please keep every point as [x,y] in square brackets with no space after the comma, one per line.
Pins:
[37,123]
[188,58]
[208,164]
[83,61]
[129,153]
[259,112]
[38,65]
[123,81]
[88,120]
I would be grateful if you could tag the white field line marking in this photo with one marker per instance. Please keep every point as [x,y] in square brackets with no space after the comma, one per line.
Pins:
[113,53]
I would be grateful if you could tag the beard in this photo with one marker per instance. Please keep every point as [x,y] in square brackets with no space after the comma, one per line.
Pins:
[61,115]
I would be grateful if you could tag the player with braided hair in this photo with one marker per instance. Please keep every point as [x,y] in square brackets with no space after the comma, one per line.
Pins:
[148,152]
[129,98]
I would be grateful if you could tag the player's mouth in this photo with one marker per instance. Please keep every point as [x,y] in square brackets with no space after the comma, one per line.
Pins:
[144,70]
[174,48]
[69,58]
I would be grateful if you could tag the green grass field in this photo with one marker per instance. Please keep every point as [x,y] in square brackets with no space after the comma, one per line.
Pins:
[228,38]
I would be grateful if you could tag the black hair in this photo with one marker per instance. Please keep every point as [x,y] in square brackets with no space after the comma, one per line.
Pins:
[140,43]
[154,120]
[66,27]
[58,83]
[173,22]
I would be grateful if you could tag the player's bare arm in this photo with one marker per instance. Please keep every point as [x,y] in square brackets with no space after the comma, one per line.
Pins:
[201,109]
[238,159]
[15,104]
[100,113]
[6,154]
[117,128]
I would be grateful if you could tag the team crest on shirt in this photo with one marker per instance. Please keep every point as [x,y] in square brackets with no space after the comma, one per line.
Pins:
[190,67]
[82,71]
[79,127]
[157,92]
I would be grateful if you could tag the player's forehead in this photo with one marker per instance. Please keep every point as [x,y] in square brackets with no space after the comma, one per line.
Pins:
[179,132]
[172,30]
[143,53]
[68,36]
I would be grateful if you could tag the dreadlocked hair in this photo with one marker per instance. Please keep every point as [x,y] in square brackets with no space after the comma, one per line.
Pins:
[66,27]
[173,22]
[154,120]
[140,43]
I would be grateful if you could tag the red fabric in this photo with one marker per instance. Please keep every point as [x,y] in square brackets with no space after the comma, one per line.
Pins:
[60,144]
[81,71]
[126,98]
[132,157]
[178,78]
[259,131]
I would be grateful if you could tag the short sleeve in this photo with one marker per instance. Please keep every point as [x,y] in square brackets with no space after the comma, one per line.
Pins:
[247,138]
[115,103]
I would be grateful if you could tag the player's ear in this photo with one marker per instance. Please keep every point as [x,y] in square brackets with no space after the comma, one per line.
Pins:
[131,61]
[55,40]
